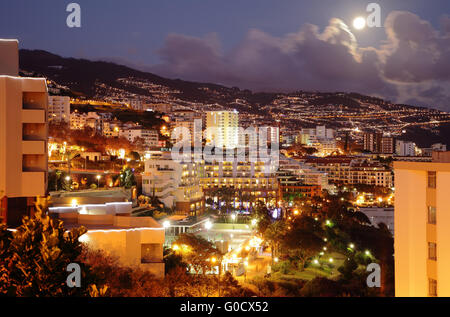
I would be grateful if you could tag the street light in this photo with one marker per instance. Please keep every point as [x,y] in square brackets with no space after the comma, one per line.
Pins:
[208,225]
[98,180]
[166,224]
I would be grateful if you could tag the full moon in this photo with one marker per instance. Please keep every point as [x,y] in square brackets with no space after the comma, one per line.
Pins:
[359,23]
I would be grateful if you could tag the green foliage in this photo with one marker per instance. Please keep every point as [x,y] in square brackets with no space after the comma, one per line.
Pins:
[303,240]
[348,268]
[126,178]
[197,252]
[34,258]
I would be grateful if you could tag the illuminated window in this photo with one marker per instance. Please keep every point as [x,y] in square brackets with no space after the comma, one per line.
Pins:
[432,251]
[431,179]
[431,215]
[432,287]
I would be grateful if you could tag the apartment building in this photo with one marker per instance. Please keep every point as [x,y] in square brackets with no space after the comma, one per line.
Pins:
[250,181]
[347,170]
[58,109]
[404,148]
[23,137]
[175,184]
[422,220]
[149,136]
[222,128]
[372,141]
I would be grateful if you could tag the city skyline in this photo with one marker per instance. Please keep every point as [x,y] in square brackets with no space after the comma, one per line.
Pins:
[290,47]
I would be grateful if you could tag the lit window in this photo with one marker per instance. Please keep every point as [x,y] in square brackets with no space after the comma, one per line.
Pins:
[432,251]
[432,287]
[431,215]
[431,179]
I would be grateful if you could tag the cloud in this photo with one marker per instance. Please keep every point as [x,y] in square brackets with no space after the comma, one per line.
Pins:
[412,64]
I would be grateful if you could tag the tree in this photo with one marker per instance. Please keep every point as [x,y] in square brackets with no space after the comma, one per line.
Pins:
[274,235]
[348,268]
[127,178]
[34,258]
[303,240]
[197,252]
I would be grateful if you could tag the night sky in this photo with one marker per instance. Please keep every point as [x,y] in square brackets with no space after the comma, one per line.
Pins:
[264,45]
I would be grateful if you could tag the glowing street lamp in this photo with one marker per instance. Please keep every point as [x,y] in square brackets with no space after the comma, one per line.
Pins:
[351,246]
[98,180]
[208,225]
[166,224]
[367,252]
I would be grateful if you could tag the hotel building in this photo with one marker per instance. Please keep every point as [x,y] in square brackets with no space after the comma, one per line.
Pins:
[251,181]
[175,184]
[59,109]
[222,128]
[421,240]
[23,137]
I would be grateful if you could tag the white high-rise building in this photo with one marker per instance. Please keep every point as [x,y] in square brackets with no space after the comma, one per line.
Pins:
[403,148]
[222,128]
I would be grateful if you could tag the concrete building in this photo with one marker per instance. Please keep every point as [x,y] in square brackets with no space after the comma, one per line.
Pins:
[135,241]
[403,148]
[348,170]
[176,185]
[372,141]
[421,240]
[387,145]
[251,181]
[149,136]
[23,137]
[222,128]
[58,109]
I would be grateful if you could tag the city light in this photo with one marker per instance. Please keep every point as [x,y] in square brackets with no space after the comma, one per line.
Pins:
[166,224]
[208,225]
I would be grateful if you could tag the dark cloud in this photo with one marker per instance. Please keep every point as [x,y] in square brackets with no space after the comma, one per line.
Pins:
[412,63]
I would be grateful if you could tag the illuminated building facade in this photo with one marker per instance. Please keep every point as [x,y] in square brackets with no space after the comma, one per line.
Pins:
[421,240]
[23,137]
[223,128]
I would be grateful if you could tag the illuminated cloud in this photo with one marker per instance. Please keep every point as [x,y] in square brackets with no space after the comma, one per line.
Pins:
[412,64]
